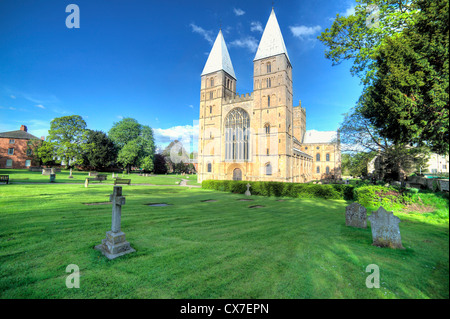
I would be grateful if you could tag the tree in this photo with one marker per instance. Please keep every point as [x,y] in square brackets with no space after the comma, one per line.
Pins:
[357,37]
[356,164]
[361,140]
[67,134]
[159,164]
[135,143]
[129,154]
[42,151]
[408,100]
[99,151]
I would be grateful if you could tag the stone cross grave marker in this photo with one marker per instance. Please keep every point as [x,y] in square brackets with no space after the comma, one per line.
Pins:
[356,215]
[115,244]
[385,229]
[247,192]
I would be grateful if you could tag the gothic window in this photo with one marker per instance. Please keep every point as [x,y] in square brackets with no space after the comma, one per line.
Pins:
[318,169]
[211,95]
[269,67]
[268,101]
[267,128]
[268,169]
[209,167]
[210,109]
[328,157]
[237,135]
[317,157]
[212,82]
[269,82]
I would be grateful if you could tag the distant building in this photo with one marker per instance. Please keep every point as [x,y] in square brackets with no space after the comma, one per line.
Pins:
[436,164]
[258,136]
[14,149]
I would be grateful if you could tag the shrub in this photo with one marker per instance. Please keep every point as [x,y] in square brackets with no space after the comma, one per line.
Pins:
[329,191]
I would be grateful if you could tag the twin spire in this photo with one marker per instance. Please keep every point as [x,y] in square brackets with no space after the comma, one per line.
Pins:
[271,44]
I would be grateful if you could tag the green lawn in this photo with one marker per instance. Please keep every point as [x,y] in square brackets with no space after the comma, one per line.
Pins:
[296,248]
[25,176]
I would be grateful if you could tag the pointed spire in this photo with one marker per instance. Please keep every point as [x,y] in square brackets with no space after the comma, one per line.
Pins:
[218,58]
[272,42]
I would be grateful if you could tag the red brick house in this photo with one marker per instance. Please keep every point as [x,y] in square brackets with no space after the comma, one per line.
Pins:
[14,150]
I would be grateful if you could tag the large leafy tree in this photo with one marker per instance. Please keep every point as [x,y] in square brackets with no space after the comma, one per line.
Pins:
[362,141]
[408,100]
[357,37]
[67,135]
[135,143]
[99,151]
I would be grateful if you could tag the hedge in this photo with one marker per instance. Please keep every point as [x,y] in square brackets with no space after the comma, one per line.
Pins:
[278,189]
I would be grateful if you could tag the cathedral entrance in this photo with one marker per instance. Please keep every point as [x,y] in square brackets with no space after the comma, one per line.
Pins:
[237,174]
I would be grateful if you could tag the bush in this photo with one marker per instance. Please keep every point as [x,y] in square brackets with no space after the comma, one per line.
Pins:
[375,196]
[278,189]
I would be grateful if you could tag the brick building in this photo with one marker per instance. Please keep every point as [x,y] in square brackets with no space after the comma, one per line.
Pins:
[14,149]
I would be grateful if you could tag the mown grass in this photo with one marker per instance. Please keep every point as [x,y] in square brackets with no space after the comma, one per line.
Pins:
[25,176]
[296,248]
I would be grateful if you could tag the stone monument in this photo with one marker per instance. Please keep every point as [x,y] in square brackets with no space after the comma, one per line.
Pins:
[115,244]
[356,215]
[385,229]
[247,192]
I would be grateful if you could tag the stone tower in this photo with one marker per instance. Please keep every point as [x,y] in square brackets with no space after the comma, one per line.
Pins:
[218,82]
[272,91]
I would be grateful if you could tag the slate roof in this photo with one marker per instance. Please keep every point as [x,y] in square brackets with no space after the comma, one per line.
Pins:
[272,42]
[19,134]
[218,58]
[320,137]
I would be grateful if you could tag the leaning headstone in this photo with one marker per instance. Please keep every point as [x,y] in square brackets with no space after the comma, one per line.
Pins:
[247,192]
[115,244]
[385,229]
[356,215]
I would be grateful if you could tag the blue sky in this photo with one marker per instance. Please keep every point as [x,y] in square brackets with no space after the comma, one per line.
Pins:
[143,59]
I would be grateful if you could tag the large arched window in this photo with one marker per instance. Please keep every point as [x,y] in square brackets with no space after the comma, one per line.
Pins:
[317,157]
[328,157]
[209,167]
[318,169]
[237,135]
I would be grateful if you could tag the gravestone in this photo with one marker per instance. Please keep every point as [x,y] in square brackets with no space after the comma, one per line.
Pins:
[70,176]
[247,192]
[115,244]
[86,182]
[356,215]
[385,229]
[46,171]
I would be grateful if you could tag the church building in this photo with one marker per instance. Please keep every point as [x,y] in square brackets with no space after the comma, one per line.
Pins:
[259,136]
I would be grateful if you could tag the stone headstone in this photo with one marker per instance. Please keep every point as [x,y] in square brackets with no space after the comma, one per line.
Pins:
[70,176]
[247,192]
[86,182]
[443,185]
[385,229]
[115,244]
[356,215]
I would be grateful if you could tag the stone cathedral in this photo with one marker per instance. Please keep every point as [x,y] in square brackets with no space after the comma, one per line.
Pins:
[259,136]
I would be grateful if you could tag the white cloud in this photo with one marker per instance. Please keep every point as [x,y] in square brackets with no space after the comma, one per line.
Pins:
[249,42]
[187,135]
[120,117]
[40,106]
[303,32]
[191,106]
[12,108]
[238,12]
[13,96]
[349,11]
[256,26]
[206,34]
